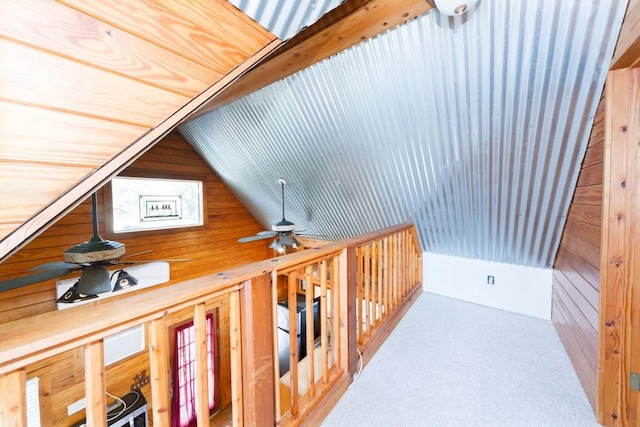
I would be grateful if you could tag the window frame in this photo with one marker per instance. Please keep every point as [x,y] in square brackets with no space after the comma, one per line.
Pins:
[110,233]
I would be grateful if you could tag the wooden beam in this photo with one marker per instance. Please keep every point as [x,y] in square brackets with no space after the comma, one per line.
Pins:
[257,350]
[627,53]
[202,383]
[337,31]
[235,339]
[13,407]
[619,300]
[95,383]
[158,356]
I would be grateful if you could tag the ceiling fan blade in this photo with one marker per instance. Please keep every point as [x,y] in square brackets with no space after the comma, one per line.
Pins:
[256,237]
[56,265]
[151,260]
[267,233]
[137,253]
[18,282]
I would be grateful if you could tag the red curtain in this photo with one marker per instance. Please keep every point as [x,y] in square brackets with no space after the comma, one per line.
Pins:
[183,409]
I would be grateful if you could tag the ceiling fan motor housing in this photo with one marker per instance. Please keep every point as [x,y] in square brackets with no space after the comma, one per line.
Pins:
[94,250]
[283,226]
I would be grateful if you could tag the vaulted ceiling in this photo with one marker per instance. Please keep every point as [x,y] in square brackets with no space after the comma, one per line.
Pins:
[466,103]
[472,127]
[86,87]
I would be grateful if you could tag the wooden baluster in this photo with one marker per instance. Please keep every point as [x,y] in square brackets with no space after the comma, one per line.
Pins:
[360,295]
[202,377]
[379,275]
[309,296]
[236,359]
[374,283]
[366,282]
[387,276]
[293,342]
[13,406]
[160,397]
[324,321]
[274,327]
[95,384]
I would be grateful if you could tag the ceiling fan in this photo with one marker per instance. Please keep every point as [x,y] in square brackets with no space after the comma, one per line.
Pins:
[283,231]
[92,258]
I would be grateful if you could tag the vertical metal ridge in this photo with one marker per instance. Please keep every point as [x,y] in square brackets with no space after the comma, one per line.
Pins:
[472,127]
[285,18]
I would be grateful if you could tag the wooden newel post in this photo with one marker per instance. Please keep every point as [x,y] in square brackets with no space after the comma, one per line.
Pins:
[257,351]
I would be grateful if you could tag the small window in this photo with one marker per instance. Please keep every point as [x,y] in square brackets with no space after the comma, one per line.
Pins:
[155,203]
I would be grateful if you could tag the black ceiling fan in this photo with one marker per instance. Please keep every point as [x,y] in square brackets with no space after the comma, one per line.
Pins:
[283,231]
[92,258]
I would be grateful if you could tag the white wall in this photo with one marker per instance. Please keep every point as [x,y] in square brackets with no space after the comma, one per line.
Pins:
[516,288]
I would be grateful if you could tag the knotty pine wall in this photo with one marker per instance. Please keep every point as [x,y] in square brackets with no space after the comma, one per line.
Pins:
[212,248]
[576,273]
[87,83]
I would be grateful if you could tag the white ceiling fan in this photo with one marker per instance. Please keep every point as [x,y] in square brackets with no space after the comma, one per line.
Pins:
[283,231]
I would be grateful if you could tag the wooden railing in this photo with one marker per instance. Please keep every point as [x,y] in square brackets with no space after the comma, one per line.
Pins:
[327,281]
[385,276]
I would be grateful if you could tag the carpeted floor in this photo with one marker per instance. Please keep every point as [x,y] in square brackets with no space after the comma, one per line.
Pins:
[451,363]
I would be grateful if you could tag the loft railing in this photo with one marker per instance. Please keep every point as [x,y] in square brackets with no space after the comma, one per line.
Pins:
[385,276]
[375,276]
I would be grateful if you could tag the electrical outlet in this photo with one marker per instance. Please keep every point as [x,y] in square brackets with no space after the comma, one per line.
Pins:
[140,380]
[491,280]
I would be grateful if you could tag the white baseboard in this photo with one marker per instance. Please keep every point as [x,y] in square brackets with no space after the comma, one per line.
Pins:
[516,288]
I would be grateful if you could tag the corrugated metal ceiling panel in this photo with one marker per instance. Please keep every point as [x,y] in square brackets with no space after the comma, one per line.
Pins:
[285,18]
[472,127]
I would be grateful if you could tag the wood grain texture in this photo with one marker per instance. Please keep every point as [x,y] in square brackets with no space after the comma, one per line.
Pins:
[57,134]
[95,384]
[159,372]
[576,271]
[106,81]
[627,52]
[67,32]
[231,41]
[13,406]
[619,213]
[211,248]
[343,28]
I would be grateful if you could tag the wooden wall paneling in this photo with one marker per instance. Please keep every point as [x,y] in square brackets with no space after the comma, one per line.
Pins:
[48,136]
[584,363]
[627,53]
[220,52]
[57,28]
[28,76]
[576,275]
[134,63]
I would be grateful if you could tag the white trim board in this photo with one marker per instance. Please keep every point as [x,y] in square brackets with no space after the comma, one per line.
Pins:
[516,288]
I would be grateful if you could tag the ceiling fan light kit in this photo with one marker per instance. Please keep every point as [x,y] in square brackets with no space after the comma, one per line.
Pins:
[283,230]
[454,7]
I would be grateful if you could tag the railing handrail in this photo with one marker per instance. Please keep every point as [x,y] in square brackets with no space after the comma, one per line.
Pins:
[365,238]
[28,340]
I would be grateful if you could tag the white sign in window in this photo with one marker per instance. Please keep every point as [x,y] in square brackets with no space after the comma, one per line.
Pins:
[155,203]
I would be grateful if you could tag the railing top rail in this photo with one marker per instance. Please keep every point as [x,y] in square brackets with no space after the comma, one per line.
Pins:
[27,340]
[366,238]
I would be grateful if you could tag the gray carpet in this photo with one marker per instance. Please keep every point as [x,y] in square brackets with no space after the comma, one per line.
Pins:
[451,363]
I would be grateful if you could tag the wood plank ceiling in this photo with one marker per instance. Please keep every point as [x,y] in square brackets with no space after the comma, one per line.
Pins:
[86,87]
